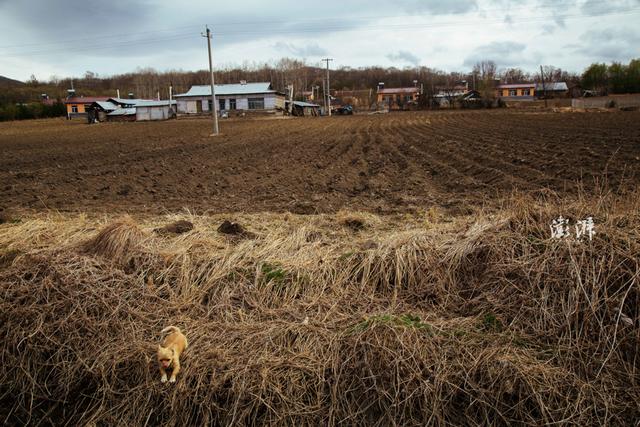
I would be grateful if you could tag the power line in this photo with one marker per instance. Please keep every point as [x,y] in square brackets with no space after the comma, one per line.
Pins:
[88,48]
[110,36]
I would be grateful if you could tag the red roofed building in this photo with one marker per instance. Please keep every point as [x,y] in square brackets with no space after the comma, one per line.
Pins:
[77,106]
[397,98]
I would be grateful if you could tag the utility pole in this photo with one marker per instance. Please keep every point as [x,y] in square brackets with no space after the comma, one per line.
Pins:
[328,102]
[324,93]
[214,108]
[544,87]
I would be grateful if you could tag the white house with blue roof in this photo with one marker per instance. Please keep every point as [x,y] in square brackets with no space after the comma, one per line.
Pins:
[258,97]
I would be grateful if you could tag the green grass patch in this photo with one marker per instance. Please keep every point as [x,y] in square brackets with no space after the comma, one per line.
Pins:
[406,320]
[273,273]
[491,323]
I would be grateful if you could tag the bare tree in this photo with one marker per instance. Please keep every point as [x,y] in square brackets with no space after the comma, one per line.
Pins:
[486,71]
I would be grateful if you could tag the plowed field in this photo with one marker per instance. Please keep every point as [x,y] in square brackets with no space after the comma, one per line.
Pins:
[381,163]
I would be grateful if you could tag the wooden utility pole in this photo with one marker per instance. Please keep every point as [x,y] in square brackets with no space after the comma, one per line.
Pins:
[324,93]
[328,102]
[544,87]
[214,107]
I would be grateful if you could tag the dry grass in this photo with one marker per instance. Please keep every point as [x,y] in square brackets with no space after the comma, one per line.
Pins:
[471,322]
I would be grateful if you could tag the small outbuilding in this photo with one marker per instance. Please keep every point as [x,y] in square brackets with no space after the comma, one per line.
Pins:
[99,110]
[155,110]
[122,115]
[552,90]
[119,109]
[300,108]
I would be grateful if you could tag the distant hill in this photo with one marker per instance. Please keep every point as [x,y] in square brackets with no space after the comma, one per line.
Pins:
[7,82]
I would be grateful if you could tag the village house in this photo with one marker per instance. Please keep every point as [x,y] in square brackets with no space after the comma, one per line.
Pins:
[445,96]
[517,91]
[241,97]
[77,106]
[396,98]
[124,109]
[358,99]
[531,91]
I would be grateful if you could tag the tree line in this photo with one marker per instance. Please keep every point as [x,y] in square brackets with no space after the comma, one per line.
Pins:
[614,78]
[16,100]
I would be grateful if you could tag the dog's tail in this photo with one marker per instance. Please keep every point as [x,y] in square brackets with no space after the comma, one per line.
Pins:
[171,329]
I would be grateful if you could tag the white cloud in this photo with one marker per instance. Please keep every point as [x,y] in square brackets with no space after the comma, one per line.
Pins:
[404,57]
[67,37]
[306,51]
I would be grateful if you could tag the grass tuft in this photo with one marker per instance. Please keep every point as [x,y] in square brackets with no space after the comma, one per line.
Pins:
[469,321]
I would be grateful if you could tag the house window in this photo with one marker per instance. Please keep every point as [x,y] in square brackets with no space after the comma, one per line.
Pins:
[256,103]
[513,92]
[221,104]
[74,108]
[526,92]
[232,104]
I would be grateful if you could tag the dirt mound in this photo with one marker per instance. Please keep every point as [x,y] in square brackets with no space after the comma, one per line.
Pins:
[480,318]
[178,227]
[234,229]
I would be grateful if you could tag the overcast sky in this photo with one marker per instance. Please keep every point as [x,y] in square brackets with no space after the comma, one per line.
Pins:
[69,37]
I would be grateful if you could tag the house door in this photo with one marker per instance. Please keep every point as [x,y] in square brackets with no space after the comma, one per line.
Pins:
[199,106]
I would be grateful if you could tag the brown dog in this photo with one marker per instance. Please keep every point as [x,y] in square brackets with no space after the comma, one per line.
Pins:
[169,352]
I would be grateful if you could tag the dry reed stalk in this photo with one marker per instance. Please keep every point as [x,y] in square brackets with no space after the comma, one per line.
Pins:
[312,323]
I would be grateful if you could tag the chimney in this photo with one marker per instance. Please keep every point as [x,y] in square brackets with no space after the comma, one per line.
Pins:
[44,96]
[130,95]
[380,85]
[71,93]
[243,82]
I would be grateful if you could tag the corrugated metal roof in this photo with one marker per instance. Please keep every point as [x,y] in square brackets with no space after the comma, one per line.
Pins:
[85,100]
[162,103]
[229,89]
[126,101]
[399,90]
[305,104]
[557,86]
[517,86]
[106,105]
[123,112]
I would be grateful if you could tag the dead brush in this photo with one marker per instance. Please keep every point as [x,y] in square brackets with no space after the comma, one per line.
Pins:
[401,262]
[492,323]
[116,241]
